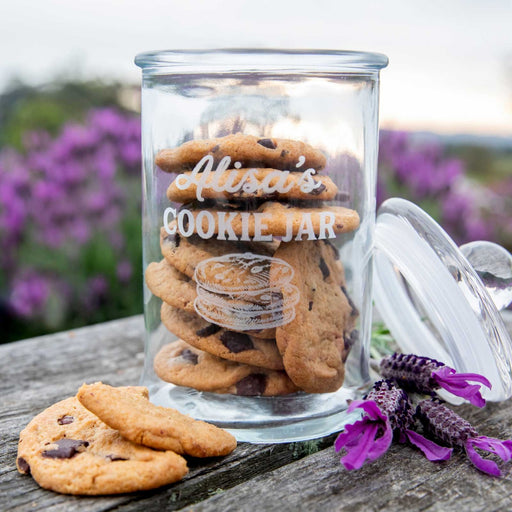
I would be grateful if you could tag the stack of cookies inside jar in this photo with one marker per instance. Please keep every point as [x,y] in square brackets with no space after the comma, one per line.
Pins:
[251,283]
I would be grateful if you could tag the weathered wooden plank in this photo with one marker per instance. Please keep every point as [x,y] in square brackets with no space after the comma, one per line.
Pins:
[402,480]
[36,373]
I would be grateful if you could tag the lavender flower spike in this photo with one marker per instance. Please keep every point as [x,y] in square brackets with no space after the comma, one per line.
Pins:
[445,424]
[387,413]
[425,375]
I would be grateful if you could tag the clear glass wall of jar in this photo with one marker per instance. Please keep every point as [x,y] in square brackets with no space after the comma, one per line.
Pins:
[259,179]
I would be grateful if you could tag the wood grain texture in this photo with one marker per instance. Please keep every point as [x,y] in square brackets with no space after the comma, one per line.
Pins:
[401,481]
[36,373]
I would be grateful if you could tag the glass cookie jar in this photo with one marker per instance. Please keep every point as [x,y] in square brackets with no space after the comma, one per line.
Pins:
[259,181]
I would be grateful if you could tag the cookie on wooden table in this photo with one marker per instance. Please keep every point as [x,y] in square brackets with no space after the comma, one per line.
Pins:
[163,428]
[68,449]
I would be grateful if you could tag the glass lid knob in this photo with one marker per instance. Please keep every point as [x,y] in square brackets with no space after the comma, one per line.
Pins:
[493,264]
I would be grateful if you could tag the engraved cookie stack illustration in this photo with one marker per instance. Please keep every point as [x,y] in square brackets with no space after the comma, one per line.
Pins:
[250,282]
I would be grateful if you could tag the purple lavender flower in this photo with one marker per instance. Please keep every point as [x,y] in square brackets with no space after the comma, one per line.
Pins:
[447,426]
[387,414]
[124,271]
[95,293]
[28,295]
[422,173]
[425,375]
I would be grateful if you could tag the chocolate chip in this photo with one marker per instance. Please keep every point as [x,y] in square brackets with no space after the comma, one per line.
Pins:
[354,311]
[115,457]
[334,249]
[324,268]
[208,330]
[268,197]
[267,143]
[215,149]
[347,345]
[276,297]
[236,341]
[173,239]
[310,305]
[189,356]
[65,420]
[23,466]
[342,197]
[349,341]
[318,190]
[251,385]
[66,449]
[284,152]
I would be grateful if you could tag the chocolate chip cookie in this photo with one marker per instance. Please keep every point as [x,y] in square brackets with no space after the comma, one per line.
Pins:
[170,285]
[248,150]
[234,291]
[68,449]
[274,219]
[312,344]
[251,184]
[184,365]
[186,253]
[235,313]
[235,346]
[138,420]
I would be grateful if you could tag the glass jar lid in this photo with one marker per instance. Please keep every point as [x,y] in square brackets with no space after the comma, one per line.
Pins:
[442,301]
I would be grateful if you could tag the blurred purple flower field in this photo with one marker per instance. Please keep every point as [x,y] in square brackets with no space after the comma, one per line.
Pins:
[423,173]
[70,217]
[69,223]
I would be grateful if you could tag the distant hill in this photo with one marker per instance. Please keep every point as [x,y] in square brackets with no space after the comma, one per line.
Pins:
[464,139]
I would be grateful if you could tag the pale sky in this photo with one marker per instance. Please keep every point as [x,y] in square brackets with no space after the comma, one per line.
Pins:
[450,60]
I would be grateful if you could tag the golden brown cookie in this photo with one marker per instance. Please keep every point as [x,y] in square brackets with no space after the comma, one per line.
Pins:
[312,344]
[243,273]
[68,449]
[234,291]
[251,184]
[245,317]
[184,365]
[170,285]
[163,428]
[186,253]
[248,150]
[178,290]
[235,346]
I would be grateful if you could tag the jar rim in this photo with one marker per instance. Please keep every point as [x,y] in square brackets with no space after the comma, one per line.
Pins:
[223,60]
